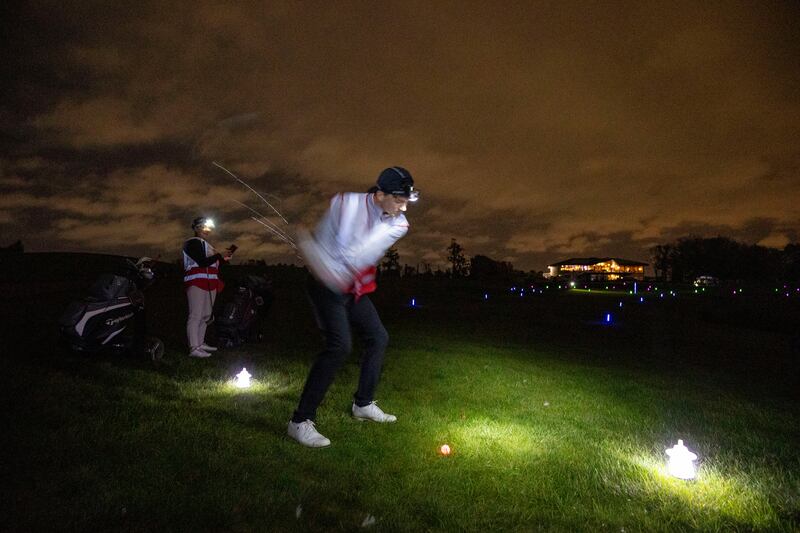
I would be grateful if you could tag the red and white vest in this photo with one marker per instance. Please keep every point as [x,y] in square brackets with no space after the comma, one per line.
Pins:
[206,278]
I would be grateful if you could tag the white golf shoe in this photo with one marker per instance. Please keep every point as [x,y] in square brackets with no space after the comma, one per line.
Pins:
[306,434]
[372,412]
[205,347]
[199,352]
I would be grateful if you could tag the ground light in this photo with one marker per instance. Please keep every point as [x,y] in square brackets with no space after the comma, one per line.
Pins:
[444,449]
[243,379]
[608,318]
[681,460]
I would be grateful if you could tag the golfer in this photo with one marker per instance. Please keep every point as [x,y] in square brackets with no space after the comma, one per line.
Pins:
[351,238]
[201,281]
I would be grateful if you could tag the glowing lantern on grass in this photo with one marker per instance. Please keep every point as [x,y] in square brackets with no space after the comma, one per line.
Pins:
[243,379]
[681,461]
[444,449]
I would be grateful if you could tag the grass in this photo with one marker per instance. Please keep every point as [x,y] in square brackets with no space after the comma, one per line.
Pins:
[556,424]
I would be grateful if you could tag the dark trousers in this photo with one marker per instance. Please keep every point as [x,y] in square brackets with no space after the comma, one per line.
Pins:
[335,314]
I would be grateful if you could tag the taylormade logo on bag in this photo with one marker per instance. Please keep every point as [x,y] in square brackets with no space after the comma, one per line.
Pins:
[112,321]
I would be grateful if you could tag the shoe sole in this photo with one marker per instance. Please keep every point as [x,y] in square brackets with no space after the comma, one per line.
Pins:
[310,445]
[362,419]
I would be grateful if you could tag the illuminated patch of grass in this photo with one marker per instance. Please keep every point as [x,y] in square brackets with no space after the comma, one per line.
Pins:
[540,441]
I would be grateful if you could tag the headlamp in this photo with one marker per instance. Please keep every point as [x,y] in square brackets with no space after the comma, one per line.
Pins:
[408,192]
[203,223]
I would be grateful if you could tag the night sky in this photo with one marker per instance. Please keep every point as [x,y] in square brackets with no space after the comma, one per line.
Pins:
[536,131]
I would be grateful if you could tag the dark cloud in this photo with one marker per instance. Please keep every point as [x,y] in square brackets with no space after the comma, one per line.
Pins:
[535,131]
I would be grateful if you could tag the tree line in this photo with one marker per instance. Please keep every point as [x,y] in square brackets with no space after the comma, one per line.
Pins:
[682,260]
[478,267]
[687,258]
[679,261]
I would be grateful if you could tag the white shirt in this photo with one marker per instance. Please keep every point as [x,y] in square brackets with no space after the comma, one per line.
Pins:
[351,238]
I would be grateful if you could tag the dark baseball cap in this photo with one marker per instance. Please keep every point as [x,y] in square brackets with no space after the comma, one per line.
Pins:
[398,181]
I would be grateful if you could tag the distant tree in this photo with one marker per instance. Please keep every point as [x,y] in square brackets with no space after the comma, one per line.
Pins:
[721,257]
[485,268]
[662,259]
[391,262]
[457,260]
[790,262]
[15,248]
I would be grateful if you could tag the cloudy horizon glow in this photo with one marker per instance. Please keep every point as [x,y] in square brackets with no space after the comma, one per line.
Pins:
[536,131]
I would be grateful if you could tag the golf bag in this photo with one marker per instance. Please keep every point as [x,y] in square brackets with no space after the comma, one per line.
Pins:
[238,316]
[112,316]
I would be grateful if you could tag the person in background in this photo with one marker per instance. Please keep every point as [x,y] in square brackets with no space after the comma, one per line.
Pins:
[202,283]
[351,238]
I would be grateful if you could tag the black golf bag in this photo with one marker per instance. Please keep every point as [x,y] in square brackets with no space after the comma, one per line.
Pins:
[239,314]
[112,316]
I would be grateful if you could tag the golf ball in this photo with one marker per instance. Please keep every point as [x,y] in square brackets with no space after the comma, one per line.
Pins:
[445,449]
